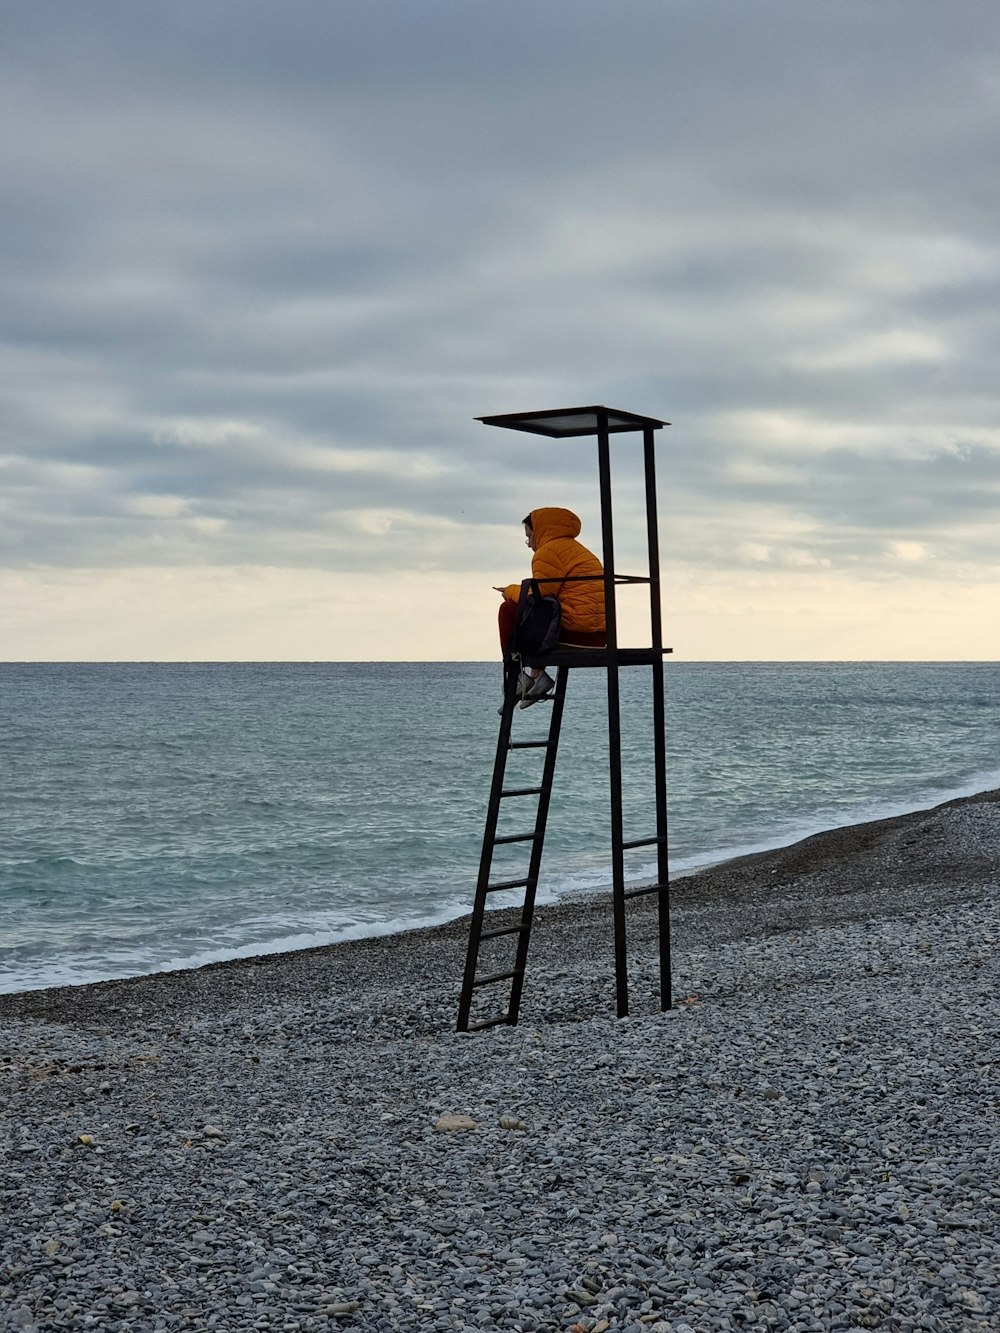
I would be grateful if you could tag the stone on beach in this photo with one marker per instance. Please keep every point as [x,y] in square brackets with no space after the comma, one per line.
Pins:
[811,1145]
[453,1122]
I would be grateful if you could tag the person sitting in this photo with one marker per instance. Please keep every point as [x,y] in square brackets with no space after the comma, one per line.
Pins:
[558,556]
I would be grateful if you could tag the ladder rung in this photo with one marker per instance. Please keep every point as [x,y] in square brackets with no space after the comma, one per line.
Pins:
[489,1023]
[514,837]
[507,884]
[643,842]
[507,930]
[650,888]
[529,745]
[522,791]
[497,976]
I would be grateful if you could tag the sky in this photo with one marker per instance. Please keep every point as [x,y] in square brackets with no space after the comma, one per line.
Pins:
[262,265]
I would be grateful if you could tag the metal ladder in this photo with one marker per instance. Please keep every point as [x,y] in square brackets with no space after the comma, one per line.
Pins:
[472,981]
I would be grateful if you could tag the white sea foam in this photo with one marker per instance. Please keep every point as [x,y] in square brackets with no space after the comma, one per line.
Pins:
[863,813]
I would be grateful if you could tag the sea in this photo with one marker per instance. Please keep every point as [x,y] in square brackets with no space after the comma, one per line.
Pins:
[157,816]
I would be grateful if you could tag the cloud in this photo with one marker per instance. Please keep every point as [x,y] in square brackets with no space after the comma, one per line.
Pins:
[909,551]
[265,266]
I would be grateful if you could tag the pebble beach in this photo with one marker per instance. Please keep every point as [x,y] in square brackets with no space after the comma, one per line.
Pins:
[807,1140]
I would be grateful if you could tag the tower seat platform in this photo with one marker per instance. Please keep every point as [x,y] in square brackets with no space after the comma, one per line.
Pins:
[565,655]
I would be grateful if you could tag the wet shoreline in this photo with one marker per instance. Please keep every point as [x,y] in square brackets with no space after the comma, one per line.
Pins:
[881,869]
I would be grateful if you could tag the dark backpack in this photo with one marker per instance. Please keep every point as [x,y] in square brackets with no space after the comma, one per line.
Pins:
[536,630]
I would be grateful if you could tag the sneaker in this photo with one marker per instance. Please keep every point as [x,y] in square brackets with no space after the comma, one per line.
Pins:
[538,689]
[524,683]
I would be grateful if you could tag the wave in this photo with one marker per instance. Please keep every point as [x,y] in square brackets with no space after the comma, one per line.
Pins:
[71,971]
[864,812]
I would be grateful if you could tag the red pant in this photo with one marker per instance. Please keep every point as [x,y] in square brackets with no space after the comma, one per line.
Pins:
[506,619]
[576,638]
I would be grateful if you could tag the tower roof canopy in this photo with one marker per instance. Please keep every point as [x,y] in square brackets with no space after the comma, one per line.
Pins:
[561,422]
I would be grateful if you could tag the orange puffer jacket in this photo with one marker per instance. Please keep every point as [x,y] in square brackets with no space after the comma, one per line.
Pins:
[559,556]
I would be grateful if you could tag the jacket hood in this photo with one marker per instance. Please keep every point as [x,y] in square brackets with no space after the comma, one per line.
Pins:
[550,523]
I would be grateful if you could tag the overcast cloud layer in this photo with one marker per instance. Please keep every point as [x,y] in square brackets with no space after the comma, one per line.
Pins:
[263,264]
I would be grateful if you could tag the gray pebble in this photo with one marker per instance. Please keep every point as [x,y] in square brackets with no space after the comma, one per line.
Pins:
[808,1146]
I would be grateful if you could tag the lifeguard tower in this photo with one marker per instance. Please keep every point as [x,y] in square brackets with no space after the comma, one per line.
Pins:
[558,424]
